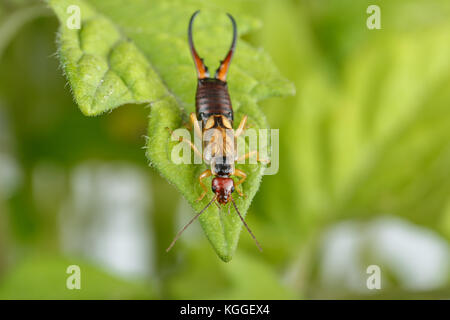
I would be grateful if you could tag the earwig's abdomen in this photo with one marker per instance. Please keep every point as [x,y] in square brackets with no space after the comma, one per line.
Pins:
[213,99]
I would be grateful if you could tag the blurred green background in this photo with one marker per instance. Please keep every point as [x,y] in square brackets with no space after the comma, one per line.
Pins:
[364,167]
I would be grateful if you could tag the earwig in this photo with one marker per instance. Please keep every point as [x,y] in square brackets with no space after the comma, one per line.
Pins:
[214,111]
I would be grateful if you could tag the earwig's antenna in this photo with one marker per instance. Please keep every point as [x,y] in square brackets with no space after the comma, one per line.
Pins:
[202,70]
[189,223]
[221,72]
[245,224]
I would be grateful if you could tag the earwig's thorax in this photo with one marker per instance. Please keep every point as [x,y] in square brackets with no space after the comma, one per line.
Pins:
[222,166]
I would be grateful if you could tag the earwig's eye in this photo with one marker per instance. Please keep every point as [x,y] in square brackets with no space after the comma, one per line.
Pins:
[214,188]
[232,189]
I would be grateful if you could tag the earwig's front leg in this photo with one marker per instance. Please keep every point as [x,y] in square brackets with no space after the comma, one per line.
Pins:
[241,127]
[251,153]
[205,174]
[241,174]
[238,132]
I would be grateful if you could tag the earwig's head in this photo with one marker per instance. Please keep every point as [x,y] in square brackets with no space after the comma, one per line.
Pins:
[223,188]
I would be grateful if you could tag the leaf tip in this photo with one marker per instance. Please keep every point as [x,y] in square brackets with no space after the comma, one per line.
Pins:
[225,258]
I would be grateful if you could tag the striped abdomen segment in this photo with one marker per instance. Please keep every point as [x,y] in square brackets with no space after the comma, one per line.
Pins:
[212,98]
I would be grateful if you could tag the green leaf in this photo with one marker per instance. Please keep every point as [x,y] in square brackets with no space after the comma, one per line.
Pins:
[137,52]
[376,141]
[399,162]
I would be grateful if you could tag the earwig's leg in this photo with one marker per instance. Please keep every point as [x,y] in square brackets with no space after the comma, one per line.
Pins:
[202,70]
[241,127]
[193,147]
[251,153]
[194,122]
[181,139]
[241,174]
[221,72]
[205,174]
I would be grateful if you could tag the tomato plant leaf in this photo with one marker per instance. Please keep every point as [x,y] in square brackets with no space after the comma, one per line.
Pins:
[137,52]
